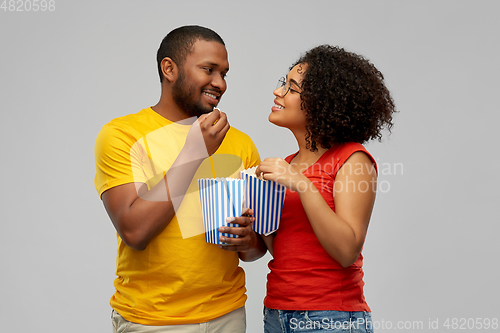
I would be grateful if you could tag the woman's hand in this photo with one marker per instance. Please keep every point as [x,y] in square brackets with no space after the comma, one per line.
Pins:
[280,171]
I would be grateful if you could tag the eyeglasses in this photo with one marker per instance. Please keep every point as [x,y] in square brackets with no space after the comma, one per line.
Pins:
[282,82]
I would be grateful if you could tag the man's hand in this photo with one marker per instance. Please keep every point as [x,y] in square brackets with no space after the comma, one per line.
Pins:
[249,245]
[245,233]
[213,127]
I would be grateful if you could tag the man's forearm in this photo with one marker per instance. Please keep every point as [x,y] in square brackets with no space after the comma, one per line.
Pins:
[151,211]
[257,250]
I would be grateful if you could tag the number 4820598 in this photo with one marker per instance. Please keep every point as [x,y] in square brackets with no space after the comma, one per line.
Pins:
[28,5]
[471,323]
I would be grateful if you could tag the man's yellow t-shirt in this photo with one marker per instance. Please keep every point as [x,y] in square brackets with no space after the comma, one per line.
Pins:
[179,278]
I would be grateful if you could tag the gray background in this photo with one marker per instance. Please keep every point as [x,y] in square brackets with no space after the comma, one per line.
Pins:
[431,251]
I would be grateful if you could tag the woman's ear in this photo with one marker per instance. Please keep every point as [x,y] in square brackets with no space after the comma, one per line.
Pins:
[169,69]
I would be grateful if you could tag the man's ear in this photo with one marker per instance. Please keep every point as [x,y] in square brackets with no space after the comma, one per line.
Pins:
[169,69]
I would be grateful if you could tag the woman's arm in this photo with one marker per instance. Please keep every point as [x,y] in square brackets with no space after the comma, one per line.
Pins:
[268,241]
[341,232]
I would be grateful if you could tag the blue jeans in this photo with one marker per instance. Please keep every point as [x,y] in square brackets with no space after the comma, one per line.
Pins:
[284,321]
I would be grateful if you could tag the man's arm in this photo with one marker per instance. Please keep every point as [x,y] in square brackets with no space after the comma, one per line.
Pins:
[138,214]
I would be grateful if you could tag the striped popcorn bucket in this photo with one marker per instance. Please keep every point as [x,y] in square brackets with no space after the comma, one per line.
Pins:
[220,198]
[266,198]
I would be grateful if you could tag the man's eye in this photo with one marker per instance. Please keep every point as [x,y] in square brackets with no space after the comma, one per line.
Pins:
[224,75]
[208,69]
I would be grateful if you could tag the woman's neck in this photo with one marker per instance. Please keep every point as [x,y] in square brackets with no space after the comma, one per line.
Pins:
[305,157]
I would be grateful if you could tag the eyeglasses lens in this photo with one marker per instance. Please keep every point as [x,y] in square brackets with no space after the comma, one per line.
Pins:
[286,87]
[281,83]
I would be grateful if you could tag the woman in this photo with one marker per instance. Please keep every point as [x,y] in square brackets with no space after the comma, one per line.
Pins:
[332,101]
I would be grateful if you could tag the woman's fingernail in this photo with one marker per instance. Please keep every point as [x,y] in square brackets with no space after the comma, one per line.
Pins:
[230,219]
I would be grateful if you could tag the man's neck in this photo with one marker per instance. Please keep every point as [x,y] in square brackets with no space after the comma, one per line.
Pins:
[168,109]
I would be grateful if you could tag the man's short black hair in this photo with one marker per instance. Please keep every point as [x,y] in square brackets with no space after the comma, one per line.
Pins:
[179,42]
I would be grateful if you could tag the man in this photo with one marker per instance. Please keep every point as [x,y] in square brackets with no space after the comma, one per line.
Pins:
[169,279]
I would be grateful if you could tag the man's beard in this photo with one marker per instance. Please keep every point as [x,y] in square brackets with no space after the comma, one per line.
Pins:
[183,95]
